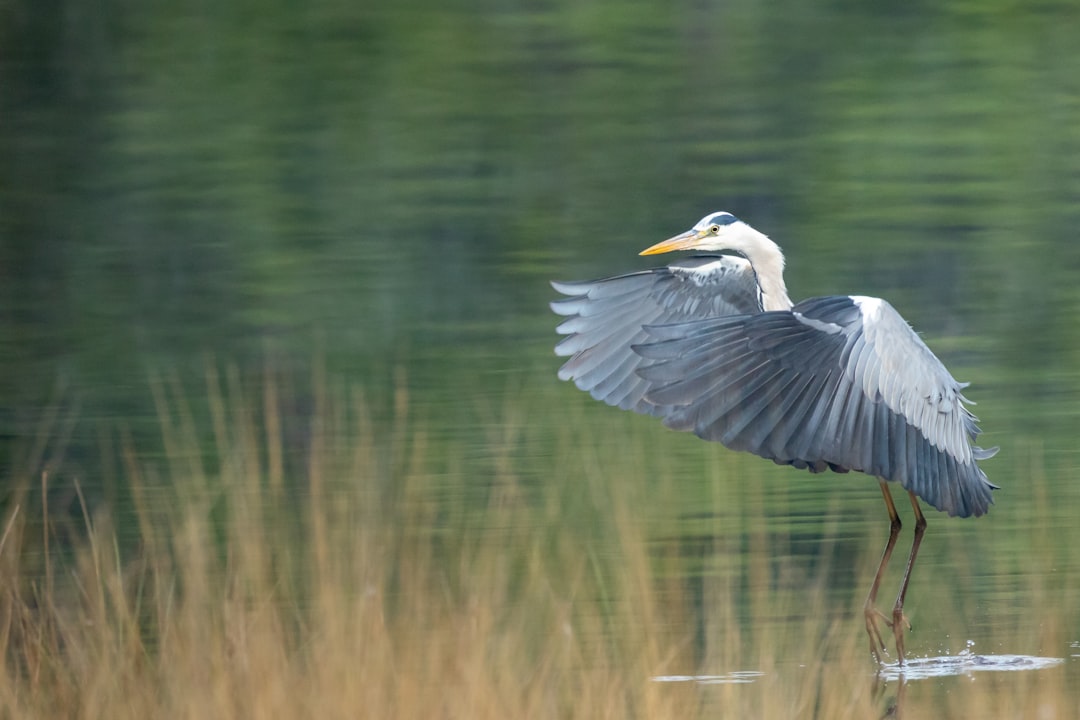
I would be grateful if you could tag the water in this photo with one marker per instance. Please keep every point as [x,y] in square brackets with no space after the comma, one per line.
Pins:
[965,663]
[387,190]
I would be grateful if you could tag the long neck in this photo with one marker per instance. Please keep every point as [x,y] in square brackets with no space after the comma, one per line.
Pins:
[768,263]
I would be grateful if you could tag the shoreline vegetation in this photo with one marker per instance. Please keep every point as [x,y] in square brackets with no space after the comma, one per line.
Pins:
[337,573]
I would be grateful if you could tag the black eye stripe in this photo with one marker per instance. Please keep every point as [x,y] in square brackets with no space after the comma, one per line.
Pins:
[722,218]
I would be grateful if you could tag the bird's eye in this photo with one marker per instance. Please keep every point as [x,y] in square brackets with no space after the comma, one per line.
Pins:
[714,229]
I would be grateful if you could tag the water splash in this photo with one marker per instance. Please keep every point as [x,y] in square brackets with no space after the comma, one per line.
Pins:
[965,662]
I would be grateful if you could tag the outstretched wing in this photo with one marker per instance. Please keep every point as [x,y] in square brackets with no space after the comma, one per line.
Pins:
[838,382]
[606,317]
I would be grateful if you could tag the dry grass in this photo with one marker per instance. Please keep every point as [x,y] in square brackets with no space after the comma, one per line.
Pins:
[370,594]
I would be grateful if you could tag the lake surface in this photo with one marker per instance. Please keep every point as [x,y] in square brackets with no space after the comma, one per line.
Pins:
[384,191]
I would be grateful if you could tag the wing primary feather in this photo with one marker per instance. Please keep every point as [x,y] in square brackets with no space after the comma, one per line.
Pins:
[722,413]
[948,476]
[612,377]
[791,412]
[604,287]
[889,441]
[691,385]
[742,429]
[863,441]
[811,437]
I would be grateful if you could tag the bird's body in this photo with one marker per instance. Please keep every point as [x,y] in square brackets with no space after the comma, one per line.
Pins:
[713,345]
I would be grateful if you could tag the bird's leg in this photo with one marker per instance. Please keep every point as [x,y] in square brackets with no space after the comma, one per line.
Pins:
[898,619]
[877,645]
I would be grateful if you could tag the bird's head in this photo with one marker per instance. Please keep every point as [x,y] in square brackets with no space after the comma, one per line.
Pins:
[716,231]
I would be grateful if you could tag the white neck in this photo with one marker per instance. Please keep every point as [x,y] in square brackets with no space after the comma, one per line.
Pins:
[768,263]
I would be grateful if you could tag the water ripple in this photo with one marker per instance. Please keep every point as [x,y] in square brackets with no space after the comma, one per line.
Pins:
[739,677]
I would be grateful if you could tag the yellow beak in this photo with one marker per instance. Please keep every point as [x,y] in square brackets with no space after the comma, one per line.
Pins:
[684,241]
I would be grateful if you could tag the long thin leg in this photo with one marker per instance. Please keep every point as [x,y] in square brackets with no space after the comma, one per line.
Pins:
[899,620]
[877,646]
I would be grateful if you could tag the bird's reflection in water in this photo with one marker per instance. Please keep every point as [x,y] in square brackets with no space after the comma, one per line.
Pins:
[894,705]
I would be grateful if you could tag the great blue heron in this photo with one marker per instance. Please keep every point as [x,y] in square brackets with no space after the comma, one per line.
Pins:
[712,344]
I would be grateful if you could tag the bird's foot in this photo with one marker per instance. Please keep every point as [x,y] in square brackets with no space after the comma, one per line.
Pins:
[877,643]
[897,623]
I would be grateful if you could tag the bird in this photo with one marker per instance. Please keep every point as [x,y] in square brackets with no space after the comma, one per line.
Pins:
[712,344]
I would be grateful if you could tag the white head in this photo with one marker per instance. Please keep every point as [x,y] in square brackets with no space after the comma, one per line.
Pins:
[723,231]
[716,231]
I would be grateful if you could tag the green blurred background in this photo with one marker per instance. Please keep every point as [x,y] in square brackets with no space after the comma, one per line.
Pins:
[386,188]
[398,180]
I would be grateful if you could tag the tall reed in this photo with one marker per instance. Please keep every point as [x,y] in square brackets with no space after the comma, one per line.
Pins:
[334,566]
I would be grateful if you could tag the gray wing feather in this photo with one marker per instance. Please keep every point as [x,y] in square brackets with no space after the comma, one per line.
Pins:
[605,318]
[838,382]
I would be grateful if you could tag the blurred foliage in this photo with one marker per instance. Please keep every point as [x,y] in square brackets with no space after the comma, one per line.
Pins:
[375,585]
